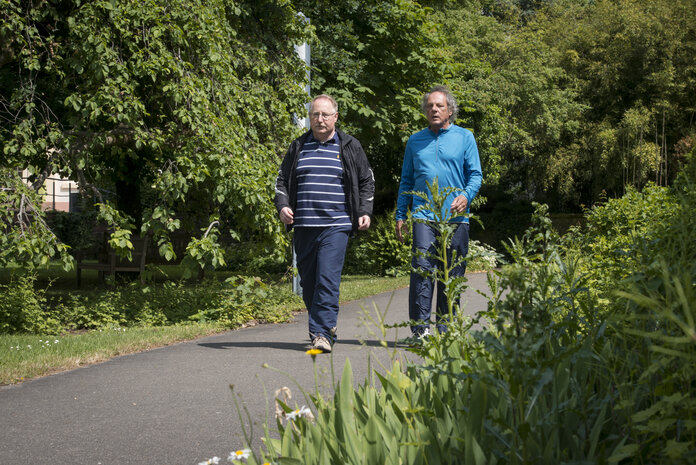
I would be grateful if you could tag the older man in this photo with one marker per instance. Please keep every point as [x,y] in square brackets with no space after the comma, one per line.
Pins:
[324,190]
[448,153]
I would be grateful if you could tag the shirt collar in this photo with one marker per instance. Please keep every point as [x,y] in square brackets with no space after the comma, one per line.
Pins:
[334,139]
[441,130]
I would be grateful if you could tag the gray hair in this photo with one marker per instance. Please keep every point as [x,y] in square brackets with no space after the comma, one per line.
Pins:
[451,102]
[327,97]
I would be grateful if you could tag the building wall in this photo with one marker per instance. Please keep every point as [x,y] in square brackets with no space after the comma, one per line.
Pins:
[56,192]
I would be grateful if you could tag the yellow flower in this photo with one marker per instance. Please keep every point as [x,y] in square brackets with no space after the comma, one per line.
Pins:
[314,352]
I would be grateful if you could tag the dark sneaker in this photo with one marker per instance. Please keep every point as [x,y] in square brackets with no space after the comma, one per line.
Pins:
[321,343]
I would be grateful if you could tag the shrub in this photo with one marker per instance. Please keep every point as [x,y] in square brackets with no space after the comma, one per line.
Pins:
[23,308]
[482,257]
[73,228]
[567,369]
[378,252]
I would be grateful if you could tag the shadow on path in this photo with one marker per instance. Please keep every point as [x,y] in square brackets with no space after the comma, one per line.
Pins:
[293,346]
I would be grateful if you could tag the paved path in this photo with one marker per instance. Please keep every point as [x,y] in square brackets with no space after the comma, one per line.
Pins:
[173,405]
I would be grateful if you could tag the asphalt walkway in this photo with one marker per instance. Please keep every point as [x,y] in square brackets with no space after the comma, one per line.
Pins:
[174,405]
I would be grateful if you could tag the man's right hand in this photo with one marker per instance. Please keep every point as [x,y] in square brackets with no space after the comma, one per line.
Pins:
[286,215]
[401,230]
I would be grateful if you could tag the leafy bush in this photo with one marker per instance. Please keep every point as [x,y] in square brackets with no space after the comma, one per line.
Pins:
[242,299]
[654,361]
[23,308]
[482,257]
[377,251]
[568,369]
[73,228]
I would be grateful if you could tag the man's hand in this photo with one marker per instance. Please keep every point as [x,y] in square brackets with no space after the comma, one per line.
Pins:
[459,204]
[364,222]
[401,230]
[287,216]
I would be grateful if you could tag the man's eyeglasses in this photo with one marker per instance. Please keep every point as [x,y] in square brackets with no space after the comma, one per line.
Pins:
[321,115]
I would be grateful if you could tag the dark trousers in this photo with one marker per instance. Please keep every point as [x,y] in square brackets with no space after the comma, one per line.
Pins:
[425,240]
[320,256]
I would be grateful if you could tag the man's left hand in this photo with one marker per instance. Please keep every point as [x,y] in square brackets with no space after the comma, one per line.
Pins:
[364,222]
[459,204]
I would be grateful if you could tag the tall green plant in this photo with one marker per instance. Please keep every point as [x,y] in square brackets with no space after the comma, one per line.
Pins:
[655,322]
[560,369]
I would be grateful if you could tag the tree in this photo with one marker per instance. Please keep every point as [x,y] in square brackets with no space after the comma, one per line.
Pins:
[513,94]
[376,59]
[180,108]
[633,62]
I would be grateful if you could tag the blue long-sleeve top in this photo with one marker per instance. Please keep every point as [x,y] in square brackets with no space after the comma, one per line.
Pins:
[452,156]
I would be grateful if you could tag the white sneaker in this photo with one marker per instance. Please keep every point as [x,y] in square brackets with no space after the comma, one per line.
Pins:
[321,343]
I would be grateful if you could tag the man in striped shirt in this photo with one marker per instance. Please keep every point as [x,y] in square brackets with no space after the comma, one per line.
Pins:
[324,190]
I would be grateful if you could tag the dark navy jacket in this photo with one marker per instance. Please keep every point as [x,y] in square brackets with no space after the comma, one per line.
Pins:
[358,179]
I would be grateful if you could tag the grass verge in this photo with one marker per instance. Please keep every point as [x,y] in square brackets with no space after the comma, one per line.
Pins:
[23,357]
[29,356]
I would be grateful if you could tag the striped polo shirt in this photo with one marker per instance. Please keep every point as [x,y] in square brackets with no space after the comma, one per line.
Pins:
[321,198]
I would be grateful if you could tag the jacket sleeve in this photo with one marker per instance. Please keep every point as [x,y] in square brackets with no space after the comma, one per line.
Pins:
[366,182]
[282,184]
[472,170]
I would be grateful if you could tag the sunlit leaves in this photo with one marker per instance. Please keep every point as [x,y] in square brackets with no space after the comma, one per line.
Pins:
[185,104]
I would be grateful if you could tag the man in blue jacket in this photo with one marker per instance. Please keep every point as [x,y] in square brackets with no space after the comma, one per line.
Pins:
[324,190]
[447,152]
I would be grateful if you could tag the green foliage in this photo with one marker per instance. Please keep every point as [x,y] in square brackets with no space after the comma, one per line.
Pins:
[25,238]
[376,59]
[631,63]
[244,298]
[655,326]
[377,251]
[563,370]
[73,228]
[618,236]
[26,308]
[178,108]
[204,250]
[23,308]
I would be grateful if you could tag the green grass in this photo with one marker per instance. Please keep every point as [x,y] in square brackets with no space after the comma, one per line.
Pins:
[29,356]
[358,286]
[24,357]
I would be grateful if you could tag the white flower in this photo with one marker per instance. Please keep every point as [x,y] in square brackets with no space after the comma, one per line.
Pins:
[56,341]
[214,460]
[239,455]
[298,413]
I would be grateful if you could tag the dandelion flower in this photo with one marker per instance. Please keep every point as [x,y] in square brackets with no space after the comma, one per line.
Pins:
[314,352]
[298,413]
[239,455]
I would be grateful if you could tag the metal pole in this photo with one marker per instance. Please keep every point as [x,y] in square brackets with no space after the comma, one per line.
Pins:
[303,51]
[54,195]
